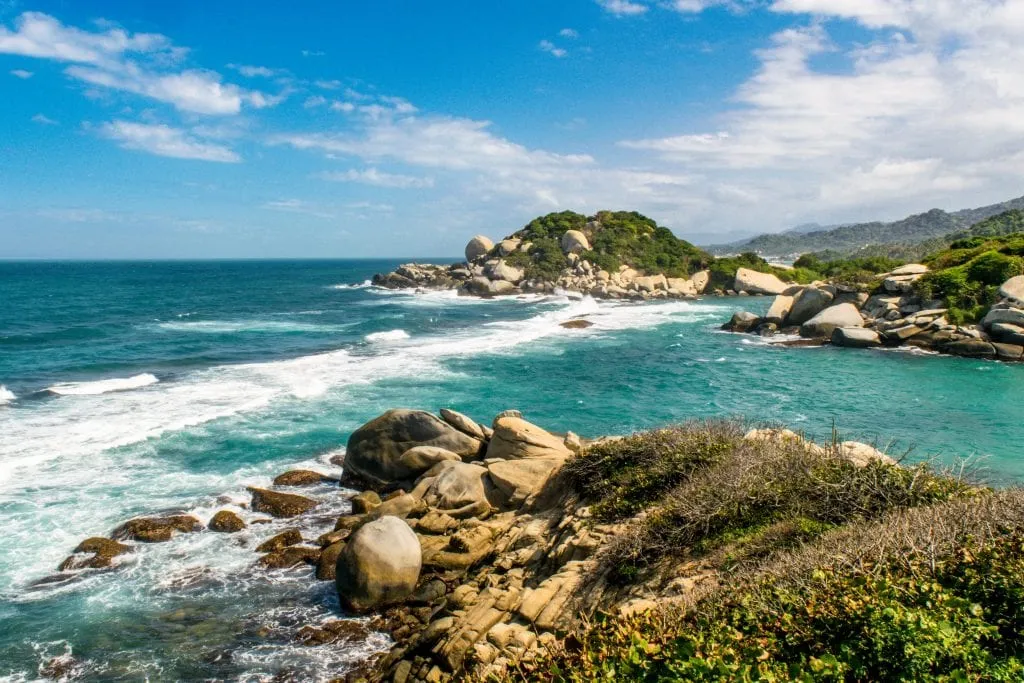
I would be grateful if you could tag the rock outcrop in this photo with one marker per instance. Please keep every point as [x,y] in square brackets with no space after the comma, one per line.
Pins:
[753,282]
[823,324]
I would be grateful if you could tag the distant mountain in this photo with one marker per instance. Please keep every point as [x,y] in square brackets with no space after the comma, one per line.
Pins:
[850,239]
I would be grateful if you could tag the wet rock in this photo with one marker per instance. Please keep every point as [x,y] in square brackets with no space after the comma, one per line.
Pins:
[281,541]
[156,529]
[577,324]
[379,565]
[290,557]
[741,321]
[327,563]
[331,632]
[94,553]
[302,478]
[279,504]
[855,337]
[226,521]
[971,348]
[365,502]
[375,450]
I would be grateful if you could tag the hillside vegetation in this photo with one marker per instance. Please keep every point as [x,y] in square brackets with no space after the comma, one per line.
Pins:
[897,239]
[823,570]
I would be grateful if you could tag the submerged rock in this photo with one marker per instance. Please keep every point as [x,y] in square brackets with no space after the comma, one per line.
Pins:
[156,529]
[379,565]
[375,450]
[226,521]
[282,540]
[577,324]
[94,553]
[279,504]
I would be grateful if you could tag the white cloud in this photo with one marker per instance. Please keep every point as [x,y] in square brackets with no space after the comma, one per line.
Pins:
[622,8]
[22,73]
[44,120]
[346,107]
[549,47]
[135,63]
[372,176]
[163,140]
[298,206]
[314,101]
[327,85]
[250,71]
[569,33]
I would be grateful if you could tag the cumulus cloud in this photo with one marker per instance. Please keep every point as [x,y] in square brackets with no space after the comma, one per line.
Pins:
[552,49]
[373,176]
[570,33]
[141,63]
[166,141]
[250,71]
[622,8]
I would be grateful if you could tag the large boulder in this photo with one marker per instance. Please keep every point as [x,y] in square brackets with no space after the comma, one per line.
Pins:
[1008,316]
[454,485]
[379,565]
[463,423]
[855,337]
[478,247]
[1013,290]
[823,324]
[911,269]
[651,283]
[506,247]
[808,303]
[525,476]
[516,438]
[779,309]
[574,242]
[753,282]
[862,455]
[742,321]
[375,450]
[503,271]
[700,280]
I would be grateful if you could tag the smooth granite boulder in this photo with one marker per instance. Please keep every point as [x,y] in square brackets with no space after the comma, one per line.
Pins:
[753,282]
[379,566]
[375,450]
[515,438]
[855,337]
[779,309]
[1013,290]
[478,247]
[807,304]
[574,242]
[823,324]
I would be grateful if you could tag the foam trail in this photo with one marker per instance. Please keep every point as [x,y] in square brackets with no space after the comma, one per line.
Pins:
[365,284]
[103,386]
[241,326]
[392,335]
[6,395]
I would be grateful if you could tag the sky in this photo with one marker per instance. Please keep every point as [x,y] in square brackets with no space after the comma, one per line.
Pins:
[394,128]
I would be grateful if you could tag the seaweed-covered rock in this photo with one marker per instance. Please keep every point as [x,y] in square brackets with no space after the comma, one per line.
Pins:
[156,529]
[226,521]
[282,540]
[279,504]
[289,557]
[94,553]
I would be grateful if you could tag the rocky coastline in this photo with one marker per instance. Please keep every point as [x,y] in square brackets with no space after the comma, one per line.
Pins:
[462,540]
[891,315]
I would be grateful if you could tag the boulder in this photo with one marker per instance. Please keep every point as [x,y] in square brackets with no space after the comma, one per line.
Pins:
[779,309]
[527,476]
[156,529]
[476,286]
[1008,352]
[516,438]
[855,337]
[422,458]
[302,478]
[576,324]
[1013,290]
[971,348]
[365,502]
[910,269]
[327,565]
[506,247]
[282,540]
[741,321]
[379,565]
[94,553]
[463,423]
[226,521]
[651,283]
[375,450]
[861,454]
[823,324]
[574,242]
[502,287]
[700,281]
[277,504]
[753,282]
[502,271]
[478,247]
[808,303]
[1007,333]
[681,286]
[453,485]
[1009,316]
[289,557]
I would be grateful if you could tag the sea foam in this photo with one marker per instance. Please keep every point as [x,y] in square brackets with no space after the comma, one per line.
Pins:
[103,386]
[391,335]
[6,395]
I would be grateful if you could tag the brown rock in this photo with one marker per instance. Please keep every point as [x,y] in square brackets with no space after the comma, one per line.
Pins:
[365,502]
[516,438]
[226,521]
[326,565]
[337,631]
[281,541]
[102,551]
[577,324]
[156,529]
[290,556]
[302,478]
[279,504]
[463,423]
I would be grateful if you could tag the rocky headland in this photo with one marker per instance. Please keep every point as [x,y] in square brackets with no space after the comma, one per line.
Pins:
[503,551]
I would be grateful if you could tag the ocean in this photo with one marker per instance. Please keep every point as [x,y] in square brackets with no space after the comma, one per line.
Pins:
[146,387]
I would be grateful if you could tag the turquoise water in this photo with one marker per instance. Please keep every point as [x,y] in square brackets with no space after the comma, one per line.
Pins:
[134,388]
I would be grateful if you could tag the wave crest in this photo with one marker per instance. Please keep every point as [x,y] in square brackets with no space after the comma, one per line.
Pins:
[6,395]
[103,386]
[391,335]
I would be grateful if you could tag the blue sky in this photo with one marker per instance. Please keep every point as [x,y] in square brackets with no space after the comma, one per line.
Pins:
[351,129]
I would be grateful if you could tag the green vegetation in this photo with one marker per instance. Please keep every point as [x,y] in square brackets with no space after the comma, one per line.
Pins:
[825,571]
[967,275]
[862,270]
[616,238]
[723,270]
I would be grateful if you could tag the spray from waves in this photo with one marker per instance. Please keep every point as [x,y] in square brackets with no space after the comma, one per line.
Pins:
[365,284]
[6,395]
[103,386]
[391,335]
[112,418]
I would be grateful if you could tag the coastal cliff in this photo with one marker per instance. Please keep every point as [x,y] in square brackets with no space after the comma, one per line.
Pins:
[503,551]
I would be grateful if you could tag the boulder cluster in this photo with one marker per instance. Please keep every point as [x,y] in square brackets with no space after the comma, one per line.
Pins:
[893,315]
[487,272]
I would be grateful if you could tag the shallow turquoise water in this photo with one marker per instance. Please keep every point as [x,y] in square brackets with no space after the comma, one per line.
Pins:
[137,388]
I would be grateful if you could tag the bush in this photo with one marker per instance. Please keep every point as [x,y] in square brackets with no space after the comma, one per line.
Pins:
[994,268]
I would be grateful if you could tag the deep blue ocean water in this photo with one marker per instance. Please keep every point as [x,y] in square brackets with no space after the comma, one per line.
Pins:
[136,388]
